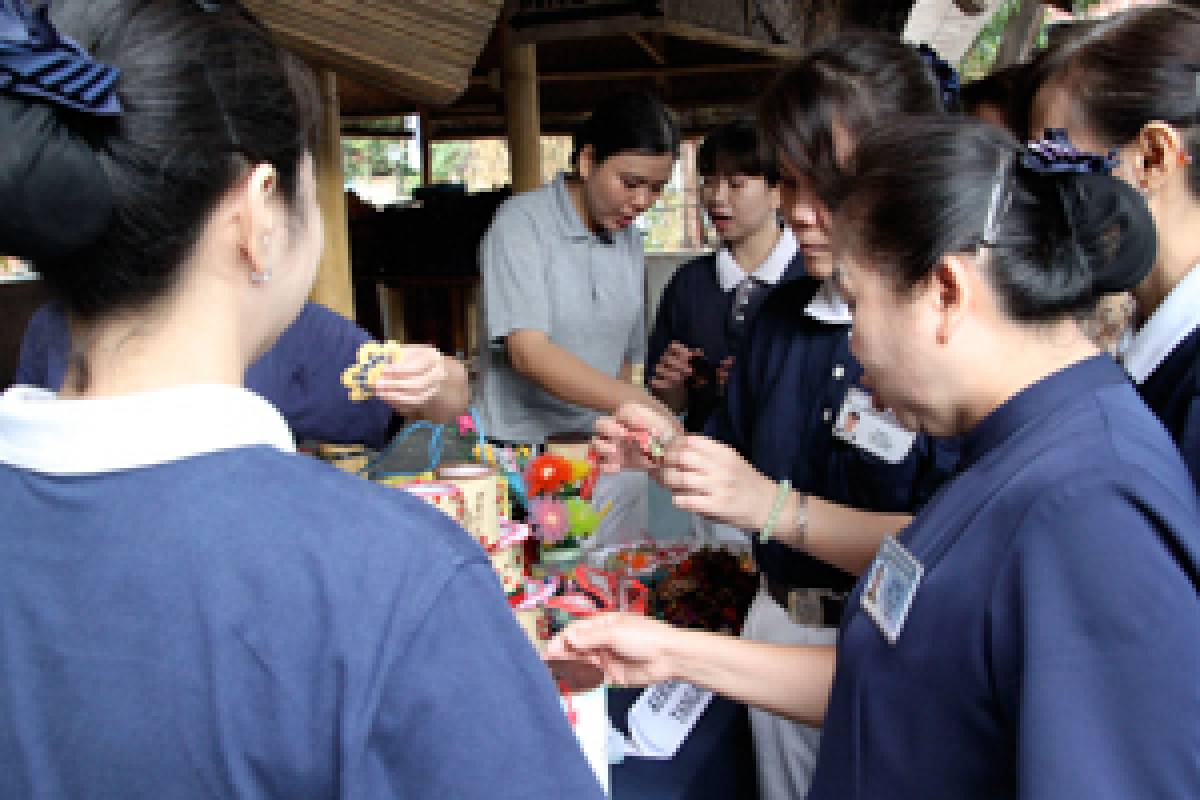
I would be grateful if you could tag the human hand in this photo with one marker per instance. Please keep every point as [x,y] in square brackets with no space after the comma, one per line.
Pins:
[411,381]
[615,442]
[723,370]
[712,479]
[631,649]
[674,368]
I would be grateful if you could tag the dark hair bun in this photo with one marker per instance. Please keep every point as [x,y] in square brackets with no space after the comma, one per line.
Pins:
[53,192]
[1109,230]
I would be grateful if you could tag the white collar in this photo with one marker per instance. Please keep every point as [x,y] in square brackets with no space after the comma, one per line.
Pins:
[829,306]
[42,433]
[770,272]
[1169,325]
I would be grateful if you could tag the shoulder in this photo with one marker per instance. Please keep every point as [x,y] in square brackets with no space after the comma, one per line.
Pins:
[791,296]
[524,209]
[694,275]
[317,326]
[298,511]
[48,320]
[1105,454]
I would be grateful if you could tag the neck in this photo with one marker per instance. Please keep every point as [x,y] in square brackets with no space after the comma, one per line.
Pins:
[750,252]
[1178,253]
[1043,350]
[174,344]
[579,200]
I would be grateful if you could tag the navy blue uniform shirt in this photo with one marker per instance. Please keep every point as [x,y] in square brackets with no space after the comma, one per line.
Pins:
[1052,648]
[300,375]
[781,403]
[1173,393]
[696,311]
[247,622]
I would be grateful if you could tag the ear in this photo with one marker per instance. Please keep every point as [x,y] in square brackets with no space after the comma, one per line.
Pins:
[586,161]
[948,292]
[261,221]
[1161,153]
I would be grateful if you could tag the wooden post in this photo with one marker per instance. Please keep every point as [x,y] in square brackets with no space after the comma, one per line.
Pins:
[426,132]
[333,285]
[522,115]
[1020,34]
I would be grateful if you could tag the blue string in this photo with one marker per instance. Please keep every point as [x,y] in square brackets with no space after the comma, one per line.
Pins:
[434,454]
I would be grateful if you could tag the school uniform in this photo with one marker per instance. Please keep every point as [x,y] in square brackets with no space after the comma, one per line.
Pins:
[191,610]
[782,403]
[1164,361]
[1051,646]
[300,374]
[708,304]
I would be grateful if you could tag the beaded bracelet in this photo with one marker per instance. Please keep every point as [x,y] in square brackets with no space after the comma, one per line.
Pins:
[781,496]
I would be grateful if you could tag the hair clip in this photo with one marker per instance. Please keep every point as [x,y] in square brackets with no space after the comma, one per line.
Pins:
[1055,154]
[947,76]
[208,6]
[37,61]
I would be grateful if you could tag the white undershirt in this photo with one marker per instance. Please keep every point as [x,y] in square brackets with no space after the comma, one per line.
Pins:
[1169,325]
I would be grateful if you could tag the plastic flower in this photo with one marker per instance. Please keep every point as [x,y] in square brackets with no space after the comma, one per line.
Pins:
[582,519]
[580,469]
[546,474]
[548,516]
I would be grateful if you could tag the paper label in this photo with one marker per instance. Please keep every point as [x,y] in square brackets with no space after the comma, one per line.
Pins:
[663,717]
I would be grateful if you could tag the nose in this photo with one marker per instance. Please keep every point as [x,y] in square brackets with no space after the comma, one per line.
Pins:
[643,198]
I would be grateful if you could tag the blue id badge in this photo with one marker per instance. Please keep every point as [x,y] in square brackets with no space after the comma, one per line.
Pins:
[890,587]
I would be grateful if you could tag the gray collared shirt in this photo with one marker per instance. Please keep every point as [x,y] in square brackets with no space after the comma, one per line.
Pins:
[544,270]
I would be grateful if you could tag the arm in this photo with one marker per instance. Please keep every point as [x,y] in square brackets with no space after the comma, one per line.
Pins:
[570,378]
[709,478]
[792,681]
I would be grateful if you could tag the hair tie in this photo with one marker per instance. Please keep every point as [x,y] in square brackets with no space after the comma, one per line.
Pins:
[947,76]
[48,173]
[37,61]
[1054,154]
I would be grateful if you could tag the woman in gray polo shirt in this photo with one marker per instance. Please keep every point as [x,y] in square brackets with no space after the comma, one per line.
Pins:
[563,319]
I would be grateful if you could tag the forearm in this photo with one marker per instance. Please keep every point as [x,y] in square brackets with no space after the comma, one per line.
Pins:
[571,379]
[792,681]
[847,538]
[452,398]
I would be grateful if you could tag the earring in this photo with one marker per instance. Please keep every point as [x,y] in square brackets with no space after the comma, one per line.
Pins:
[259,278]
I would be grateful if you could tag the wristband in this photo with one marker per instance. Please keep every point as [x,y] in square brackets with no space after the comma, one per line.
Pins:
[781,496]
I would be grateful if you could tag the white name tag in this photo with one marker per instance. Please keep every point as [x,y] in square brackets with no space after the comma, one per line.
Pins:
[663,717]
[876,432]
[891,585]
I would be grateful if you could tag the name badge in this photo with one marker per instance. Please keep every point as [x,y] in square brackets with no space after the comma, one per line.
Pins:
[891,585]
[876,432]
[663,717]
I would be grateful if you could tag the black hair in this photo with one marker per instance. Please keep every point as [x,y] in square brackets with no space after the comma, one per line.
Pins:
[1130,69]
[206,95]
[853,80]
[628,122]
[1052,242]
[738,148]
[1005,89]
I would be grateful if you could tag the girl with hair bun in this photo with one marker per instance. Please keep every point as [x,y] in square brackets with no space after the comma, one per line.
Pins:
[1131,83]
[1034,631]
[189,609]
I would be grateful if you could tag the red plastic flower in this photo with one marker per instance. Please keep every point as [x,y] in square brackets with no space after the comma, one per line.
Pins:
[546,474]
